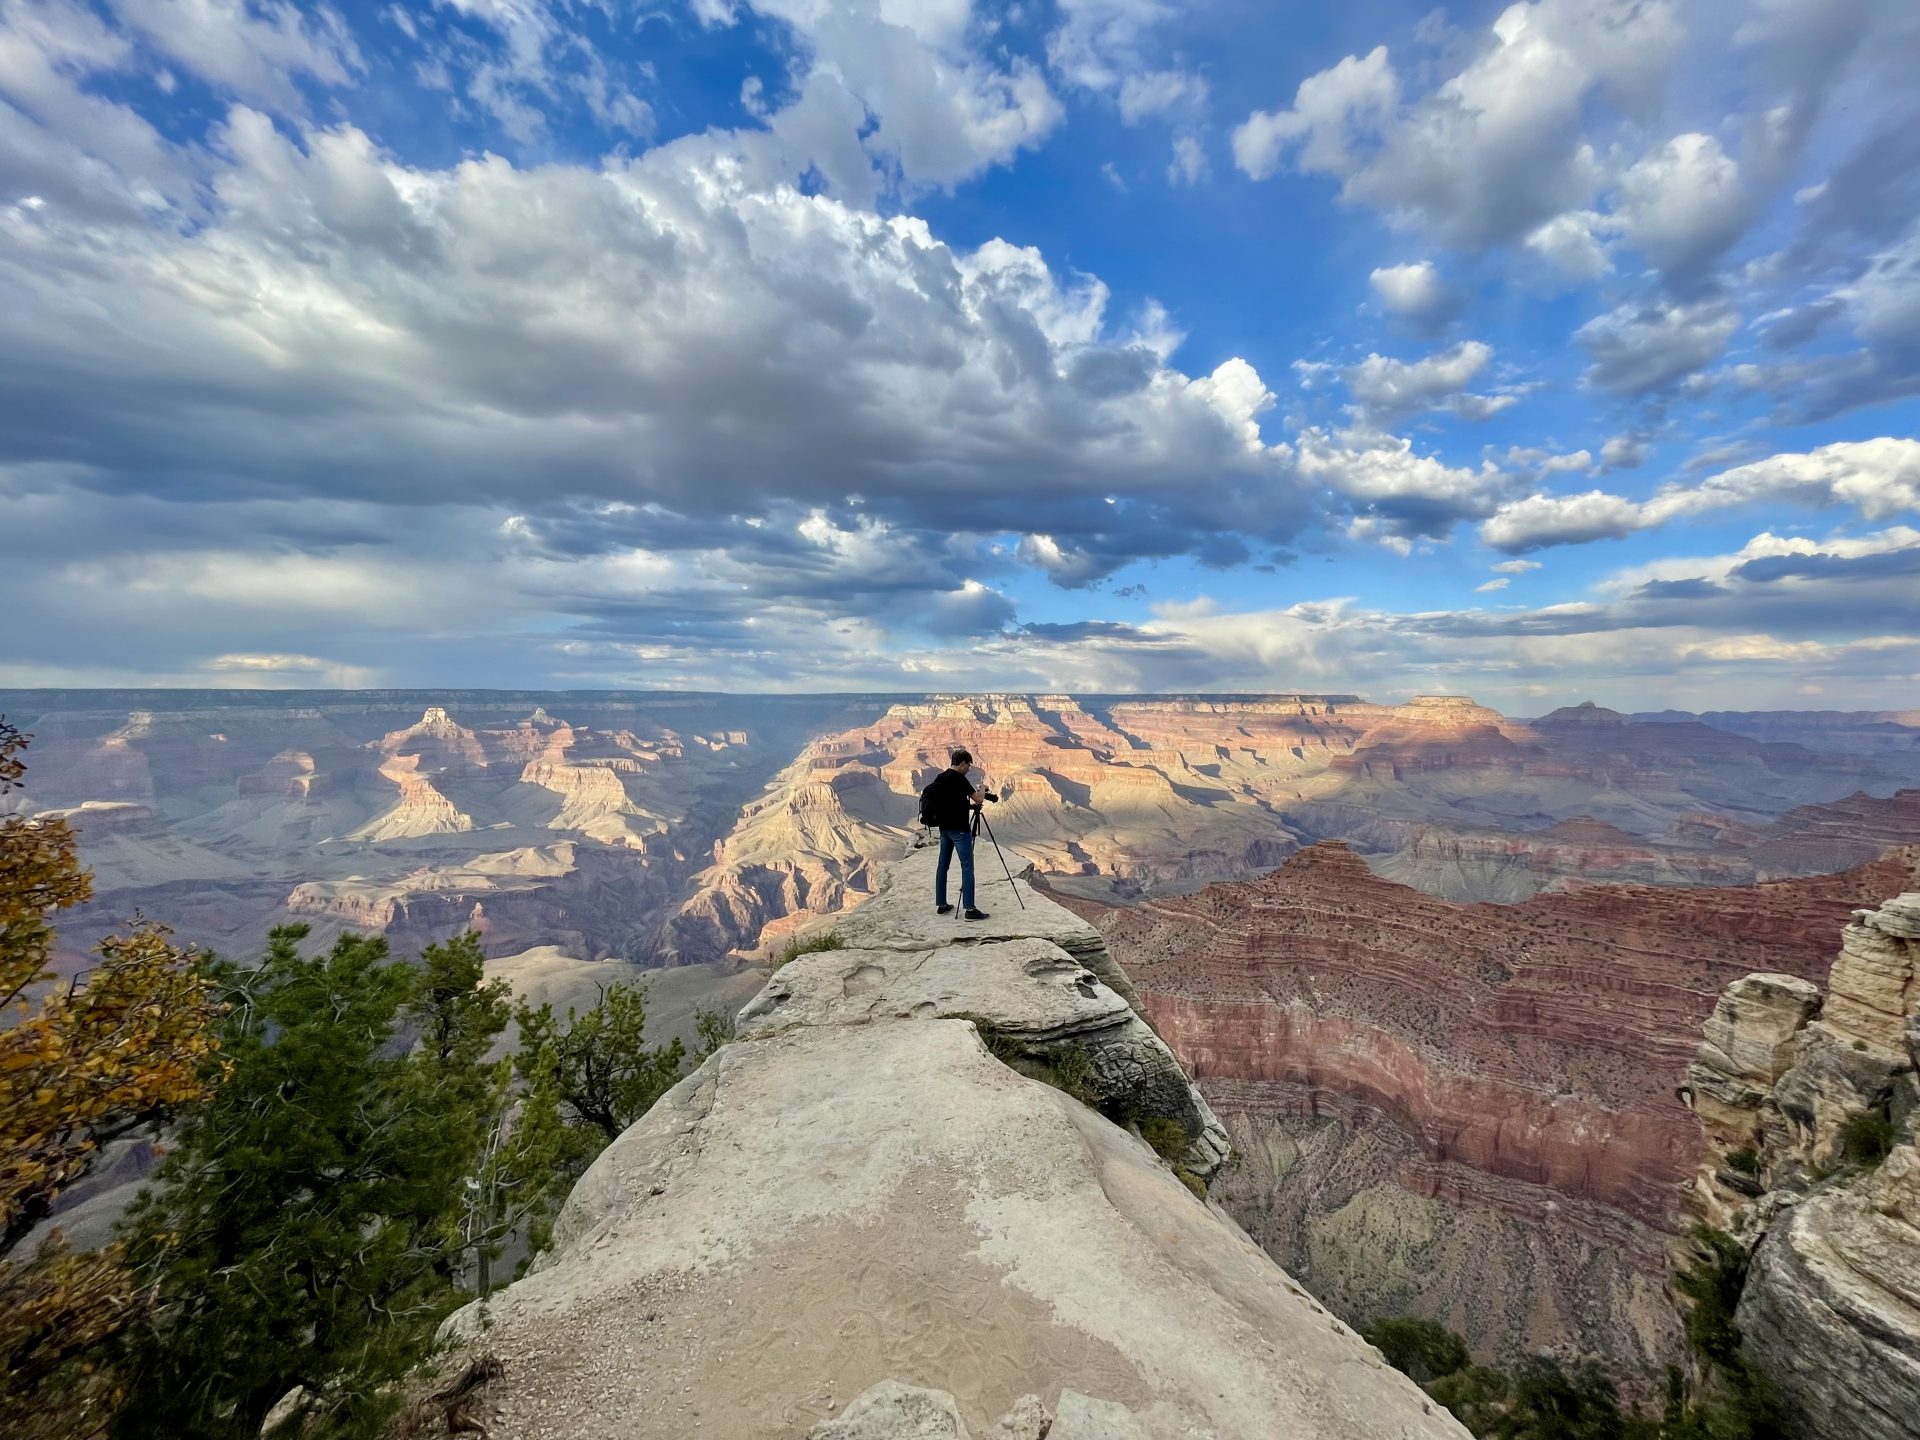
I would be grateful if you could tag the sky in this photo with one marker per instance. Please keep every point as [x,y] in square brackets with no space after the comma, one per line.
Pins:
[1561,350]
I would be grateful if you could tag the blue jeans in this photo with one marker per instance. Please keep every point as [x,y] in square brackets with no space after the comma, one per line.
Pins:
[951,841]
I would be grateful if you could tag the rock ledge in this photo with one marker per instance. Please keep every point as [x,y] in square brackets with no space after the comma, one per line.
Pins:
[857,1192]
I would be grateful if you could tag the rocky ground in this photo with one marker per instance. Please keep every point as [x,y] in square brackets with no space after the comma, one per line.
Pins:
[857,1191]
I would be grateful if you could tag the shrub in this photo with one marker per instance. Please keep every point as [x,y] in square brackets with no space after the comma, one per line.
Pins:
[1192,1181]
[1422,1349]
[1713,1284]
[1745,1160]
[1168,1137]
[810,946]
[1866,1137]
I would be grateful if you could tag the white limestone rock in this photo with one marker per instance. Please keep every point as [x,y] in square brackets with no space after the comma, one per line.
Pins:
[893,1411]
[1031,992]
[1081,1417]
[899,914]
[823,1206]
[1831,1314]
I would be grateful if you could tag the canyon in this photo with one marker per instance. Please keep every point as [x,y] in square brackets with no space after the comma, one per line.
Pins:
[1468,1112]
[704,829]
[1438,972]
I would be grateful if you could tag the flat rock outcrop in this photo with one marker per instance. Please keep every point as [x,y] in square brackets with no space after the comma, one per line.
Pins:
[856,1191]
[1830,1310]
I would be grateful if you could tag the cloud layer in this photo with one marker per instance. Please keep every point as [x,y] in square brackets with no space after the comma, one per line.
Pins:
[502,342]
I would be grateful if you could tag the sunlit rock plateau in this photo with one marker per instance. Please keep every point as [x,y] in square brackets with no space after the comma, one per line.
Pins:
[857,1192]
[1469,1112]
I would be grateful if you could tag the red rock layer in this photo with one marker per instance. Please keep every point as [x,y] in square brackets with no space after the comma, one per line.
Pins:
[1539,1042]
[1467,1112]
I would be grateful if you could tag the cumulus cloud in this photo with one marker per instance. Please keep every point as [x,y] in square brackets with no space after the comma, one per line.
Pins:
[1684,203]
[1416,294]
[1385,390]
[1497,150]
[1644,347]
[1878,478]
[1398,492]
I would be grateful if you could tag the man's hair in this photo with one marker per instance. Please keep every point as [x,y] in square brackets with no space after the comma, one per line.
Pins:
[957,756]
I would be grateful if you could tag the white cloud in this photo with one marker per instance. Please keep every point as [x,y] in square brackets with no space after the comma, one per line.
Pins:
[1385,389]
[1189,163]
[1497,150]
[1065,565]
[1118,49]
[1415,293]
[256,49]
[1331,112]
[1879,478]
[1492,585]
[1624,452]
[1642,347]
[1542,520]
[1160,92]
[1516,567]
[1571,243]
[1399,492]
[1683,203]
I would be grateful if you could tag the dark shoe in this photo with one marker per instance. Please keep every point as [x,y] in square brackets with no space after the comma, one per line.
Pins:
[976,914]
[943,909]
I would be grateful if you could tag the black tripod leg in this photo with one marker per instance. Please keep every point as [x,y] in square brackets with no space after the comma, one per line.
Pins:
[982,815]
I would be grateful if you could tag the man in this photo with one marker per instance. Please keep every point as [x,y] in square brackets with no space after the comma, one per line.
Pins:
[952,799]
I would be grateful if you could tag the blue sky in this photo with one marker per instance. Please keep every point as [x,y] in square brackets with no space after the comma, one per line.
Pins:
[1562,349]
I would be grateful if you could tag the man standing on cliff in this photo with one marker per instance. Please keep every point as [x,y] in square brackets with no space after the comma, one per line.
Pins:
[950,801]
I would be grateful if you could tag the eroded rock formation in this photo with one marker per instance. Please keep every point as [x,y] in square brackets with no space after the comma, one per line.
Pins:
[1119,799]
[1467,1112]
[857,1191]
[1812,1158]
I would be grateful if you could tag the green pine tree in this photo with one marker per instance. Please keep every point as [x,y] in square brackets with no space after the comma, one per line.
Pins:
[311,1219]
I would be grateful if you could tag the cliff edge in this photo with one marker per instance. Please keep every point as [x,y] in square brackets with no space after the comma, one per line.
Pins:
[859,1198]
[1811,1115]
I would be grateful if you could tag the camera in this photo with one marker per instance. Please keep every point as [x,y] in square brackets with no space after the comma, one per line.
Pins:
[989,795]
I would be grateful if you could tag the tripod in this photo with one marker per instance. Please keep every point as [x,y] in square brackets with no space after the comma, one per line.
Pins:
[979,819]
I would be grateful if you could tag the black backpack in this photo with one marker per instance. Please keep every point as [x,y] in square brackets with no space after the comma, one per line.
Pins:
[927,816]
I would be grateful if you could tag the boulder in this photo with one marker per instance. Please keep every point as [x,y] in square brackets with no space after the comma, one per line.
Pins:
[893,1411]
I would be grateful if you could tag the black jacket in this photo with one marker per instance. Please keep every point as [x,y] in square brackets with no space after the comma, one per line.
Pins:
[950,799]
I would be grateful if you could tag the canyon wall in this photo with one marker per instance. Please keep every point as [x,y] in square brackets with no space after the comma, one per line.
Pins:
[1810,1113]
[1118,798]
[1467,1112]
